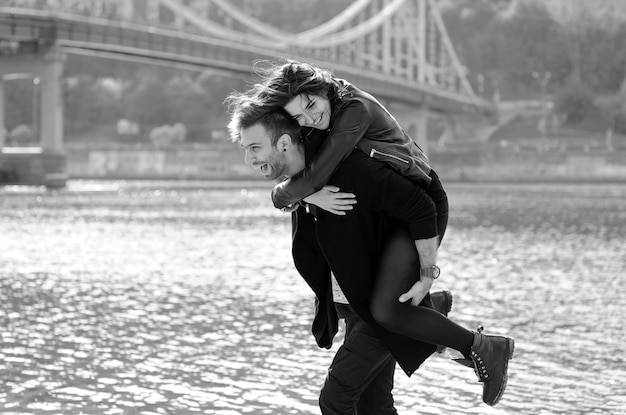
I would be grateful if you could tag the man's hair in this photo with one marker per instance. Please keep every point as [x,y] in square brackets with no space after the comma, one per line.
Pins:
[279,122]
[247,111]
[244,111]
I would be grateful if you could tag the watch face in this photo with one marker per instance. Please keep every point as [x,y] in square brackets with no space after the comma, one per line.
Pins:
[436,271]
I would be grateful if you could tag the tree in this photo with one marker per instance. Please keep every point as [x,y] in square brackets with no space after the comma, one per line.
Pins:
[613,107]
[527,41]
[579,20]
[194,101]
[147,102]
[88,103]
[575,101]
[507,42]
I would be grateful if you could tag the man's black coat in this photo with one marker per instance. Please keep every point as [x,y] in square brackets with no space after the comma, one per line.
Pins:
[352,245]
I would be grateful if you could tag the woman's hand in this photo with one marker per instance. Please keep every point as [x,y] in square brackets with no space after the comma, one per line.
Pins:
[417,292]
[332,200]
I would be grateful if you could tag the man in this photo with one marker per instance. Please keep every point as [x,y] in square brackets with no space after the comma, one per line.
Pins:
[361,375]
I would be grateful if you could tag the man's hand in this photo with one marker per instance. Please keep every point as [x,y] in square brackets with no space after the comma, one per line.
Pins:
[332,200]
[417,292]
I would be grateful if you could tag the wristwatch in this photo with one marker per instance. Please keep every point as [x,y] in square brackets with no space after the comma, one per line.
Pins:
[430,272]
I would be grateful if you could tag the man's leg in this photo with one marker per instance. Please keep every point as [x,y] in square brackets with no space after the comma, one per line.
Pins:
[357,366]
[378,397]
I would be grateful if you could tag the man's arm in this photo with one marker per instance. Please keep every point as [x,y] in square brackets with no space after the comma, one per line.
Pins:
[427,251]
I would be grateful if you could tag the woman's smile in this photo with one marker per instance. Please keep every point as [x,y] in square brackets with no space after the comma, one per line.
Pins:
[319,119]
[310,110]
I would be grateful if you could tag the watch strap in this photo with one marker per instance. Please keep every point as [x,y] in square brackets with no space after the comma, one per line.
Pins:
[430,272]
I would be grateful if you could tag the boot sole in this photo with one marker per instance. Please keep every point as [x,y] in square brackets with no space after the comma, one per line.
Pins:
[510,350]
[449,299]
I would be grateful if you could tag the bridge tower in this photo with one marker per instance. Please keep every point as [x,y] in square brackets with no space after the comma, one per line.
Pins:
[43,164]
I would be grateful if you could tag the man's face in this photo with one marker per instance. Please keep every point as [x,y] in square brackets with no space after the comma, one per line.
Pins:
[261,154]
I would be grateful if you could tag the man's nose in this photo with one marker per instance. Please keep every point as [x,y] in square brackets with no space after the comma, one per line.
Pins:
[247,158]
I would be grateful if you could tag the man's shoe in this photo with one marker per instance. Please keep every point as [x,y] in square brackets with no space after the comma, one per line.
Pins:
[442,302]
[491,355]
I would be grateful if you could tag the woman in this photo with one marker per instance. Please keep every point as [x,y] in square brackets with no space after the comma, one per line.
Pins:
[318,100]
[354,119]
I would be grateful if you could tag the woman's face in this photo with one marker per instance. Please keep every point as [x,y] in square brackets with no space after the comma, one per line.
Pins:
[310,110]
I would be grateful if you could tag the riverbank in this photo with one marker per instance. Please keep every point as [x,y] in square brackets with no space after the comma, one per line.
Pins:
[224,161]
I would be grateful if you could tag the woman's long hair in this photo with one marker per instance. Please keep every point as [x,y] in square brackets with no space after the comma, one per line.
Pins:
[281,83]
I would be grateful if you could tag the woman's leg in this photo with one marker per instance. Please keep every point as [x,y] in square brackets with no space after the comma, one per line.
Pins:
[398,271]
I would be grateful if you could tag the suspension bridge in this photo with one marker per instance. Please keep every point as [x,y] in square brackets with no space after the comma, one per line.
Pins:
[399,50]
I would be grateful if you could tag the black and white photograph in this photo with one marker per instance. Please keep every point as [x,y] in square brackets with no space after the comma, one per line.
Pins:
[303,207]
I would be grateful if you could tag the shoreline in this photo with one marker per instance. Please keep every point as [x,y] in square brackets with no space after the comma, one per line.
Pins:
[90,185]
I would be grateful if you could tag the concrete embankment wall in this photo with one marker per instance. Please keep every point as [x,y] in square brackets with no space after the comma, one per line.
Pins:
[226,162]
[146,162]
[531,166]
[32,166]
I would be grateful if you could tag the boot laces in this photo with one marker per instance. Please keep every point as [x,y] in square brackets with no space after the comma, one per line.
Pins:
[479,366]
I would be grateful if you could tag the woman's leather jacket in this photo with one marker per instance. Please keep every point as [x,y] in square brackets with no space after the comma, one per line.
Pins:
[358,121]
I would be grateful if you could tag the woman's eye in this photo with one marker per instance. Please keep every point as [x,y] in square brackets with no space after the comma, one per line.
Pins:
[310,104]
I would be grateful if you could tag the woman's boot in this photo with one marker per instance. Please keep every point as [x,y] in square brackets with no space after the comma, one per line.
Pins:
[490,355]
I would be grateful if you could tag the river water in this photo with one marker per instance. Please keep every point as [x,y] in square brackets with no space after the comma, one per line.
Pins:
[181,297]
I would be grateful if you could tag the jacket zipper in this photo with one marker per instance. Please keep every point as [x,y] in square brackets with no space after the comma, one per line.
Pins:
[373,152]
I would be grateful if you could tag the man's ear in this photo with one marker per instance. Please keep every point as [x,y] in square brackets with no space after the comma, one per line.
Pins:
[283,143]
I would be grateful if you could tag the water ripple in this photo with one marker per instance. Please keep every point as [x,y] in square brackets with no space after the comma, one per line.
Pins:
[170,298]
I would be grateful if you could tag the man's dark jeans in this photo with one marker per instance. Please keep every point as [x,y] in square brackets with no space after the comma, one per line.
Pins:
[360,378]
